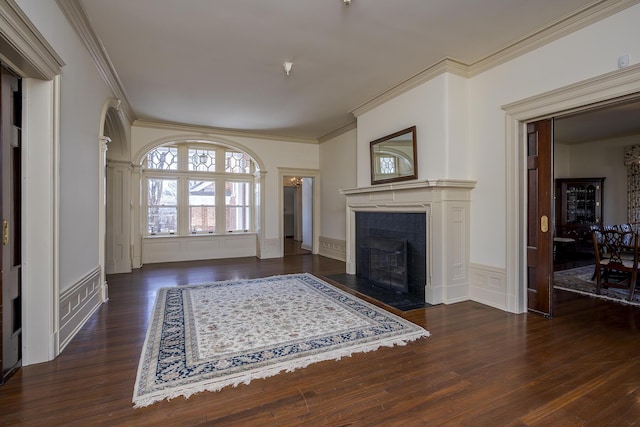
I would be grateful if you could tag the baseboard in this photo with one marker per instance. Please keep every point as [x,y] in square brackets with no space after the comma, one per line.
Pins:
[488,285]
[77,304]
[333,248]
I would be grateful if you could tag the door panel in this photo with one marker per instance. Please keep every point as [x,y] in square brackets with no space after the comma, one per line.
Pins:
[10,276]
[539,217]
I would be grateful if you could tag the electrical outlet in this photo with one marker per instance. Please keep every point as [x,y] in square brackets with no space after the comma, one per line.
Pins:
[623,61]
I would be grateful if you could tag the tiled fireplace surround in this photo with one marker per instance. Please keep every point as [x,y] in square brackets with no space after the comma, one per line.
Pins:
[446,204]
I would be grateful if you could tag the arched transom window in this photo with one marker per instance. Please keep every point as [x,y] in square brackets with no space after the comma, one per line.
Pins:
[193,188]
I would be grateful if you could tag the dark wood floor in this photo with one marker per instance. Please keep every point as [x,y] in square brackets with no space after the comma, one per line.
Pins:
[480,367]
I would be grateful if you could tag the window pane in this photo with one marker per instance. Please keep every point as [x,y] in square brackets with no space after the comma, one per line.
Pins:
[202,160]
[237,218]
[236,162]
[165,158]
[202,210]
[162,211]
[237,206]
[202,193]
[162,192]
[387,165]
[202,219]
[162,219]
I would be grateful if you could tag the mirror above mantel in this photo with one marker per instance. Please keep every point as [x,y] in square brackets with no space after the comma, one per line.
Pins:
[393,157]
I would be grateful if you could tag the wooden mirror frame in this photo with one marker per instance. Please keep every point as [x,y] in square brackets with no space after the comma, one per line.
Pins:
[401,149]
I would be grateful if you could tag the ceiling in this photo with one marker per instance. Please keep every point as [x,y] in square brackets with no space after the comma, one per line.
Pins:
[598,124]
[219,63]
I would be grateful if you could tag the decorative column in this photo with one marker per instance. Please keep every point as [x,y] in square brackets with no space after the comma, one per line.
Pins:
[136,227]
[103,141]
[258,212]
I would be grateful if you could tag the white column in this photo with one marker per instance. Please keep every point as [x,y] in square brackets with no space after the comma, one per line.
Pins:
[103,141]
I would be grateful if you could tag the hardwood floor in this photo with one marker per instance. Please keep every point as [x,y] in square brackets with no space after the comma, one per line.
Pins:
[480,367]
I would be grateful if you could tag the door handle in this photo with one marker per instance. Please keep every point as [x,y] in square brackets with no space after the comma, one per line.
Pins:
[5,232]
[544,223]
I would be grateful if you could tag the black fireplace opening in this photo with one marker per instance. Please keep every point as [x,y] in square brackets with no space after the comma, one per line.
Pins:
[383,260]
[391,251]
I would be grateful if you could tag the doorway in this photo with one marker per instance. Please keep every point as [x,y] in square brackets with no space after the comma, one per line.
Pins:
[591,172]
[307,182]
[297,215]
[11,247]
[599,91]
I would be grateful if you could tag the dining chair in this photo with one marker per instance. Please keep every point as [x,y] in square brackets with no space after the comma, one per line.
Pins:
[616,255]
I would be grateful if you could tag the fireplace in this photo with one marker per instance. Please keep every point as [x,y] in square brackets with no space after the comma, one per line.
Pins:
[391,251]
[432,216]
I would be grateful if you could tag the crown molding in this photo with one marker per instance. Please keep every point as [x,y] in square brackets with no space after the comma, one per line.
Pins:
[588,15]
[568,24]
[213,131]
[23,47]
[620,84]
[77,17]
[344,129]
[447,65]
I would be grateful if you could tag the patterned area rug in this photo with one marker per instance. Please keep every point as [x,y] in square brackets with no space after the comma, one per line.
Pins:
[206,337]
[579,280]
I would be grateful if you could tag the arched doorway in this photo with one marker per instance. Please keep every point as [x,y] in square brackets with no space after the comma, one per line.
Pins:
[117,193]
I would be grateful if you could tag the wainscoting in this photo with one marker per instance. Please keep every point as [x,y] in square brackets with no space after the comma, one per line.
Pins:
[77,304]
[193,248]
[488,285]
[333,248]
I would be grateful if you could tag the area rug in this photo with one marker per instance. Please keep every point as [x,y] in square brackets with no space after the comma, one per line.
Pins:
[209,336]
[578,280]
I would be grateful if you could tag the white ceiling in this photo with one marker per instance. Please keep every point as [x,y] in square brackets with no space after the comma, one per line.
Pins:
[220,62]
[598,124]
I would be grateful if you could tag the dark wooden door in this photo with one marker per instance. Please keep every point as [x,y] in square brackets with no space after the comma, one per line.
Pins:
[10,248]
[539,217]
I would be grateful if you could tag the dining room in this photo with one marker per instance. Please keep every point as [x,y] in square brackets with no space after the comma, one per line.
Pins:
[597,186]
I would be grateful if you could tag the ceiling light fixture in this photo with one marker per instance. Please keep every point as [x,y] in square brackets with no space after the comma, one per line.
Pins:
[287,67]
[347,2]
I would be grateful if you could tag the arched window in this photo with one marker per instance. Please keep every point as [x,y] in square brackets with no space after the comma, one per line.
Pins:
[193,188]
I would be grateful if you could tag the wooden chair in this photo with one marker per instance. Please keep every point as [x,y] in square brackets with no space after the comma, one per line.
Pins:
[614,267]
[596,232]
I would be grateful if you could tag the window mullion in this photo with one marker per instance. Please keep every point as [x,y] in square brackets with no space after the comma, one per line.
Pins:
[183,206]
[221,211]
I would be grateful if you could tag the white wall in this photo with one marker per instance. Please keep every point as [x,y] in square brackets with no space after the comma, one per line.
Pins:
[82,95]
[270,153]
[426,107]
[586,53]
[439,110]
[338,169]
[603,158]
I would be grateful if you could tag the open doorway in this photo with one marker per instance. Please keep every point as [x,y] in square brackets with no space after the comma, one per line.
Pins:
[297,215]
[594,187]
[599,91]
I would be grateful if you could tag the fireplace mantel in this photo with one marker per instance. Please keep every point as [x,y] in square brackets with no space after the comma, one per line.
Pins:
[413,185]
[446,203]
